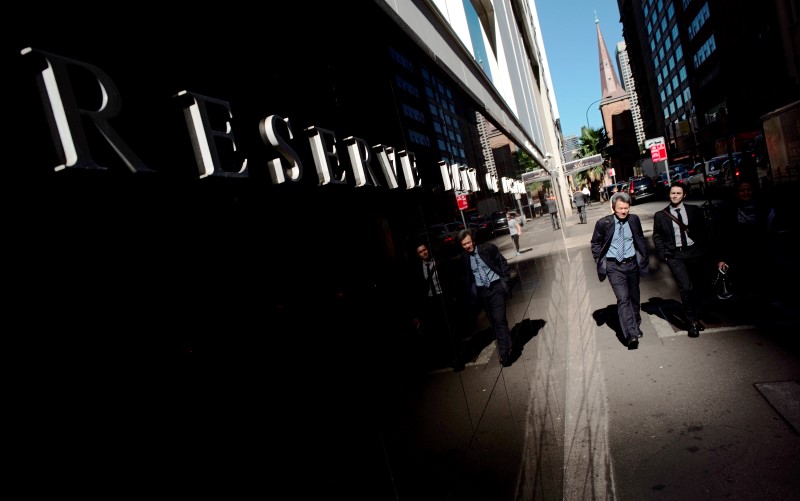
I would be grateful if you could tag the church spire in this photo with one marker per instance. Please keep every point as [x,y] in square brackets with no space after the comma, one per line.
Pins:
[609,81]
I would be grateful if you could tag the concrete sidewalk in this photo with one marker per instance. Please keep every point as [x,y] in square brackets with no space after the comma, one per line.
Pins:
[579,416]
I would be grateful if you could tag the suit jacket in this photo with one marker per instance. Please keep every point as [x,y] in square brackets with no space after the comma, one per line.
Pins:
[601,242]
[664,232]
[579,198]
[490,255]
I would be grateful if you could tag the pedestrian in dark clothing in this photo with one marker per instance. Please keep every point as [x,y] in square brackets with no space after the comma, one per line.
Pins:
[580,203]
[486,277]
[680,234]
[620,252]
[744,240]
[433,313]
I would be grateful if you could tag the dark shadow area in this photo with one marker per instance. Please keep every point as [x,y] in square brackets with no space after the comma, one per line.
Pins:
[667,309]
[521,334]
[609,317]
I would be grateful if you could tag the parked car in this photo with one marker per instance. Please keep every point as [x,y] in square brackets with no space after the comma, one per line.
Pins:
[613,188]
[698,178]
[681,177]
[442,238]
[641,187]
[499,222]
[482,227]
[662,183]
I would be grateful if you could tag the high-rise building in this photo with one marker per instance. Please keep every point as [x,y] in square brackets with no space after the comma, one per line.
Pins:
[707,70]
[630,87]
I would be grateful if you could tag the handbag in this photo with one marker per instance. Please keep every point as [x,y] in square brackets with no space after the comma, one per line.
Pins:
[722,284]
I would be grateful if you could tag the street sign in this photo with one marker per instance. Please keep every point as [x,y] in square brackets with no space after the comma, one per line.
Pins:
[656,140]
[463,203]
[658,152]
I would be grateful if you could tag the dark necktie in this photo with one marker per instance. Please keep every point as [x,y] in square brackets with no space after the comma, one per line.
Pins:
[430,278]
[621,241]
[684,242]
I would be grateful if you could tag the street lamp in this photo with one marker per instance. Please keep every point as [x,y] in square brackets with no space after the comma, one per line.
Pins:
[587,111]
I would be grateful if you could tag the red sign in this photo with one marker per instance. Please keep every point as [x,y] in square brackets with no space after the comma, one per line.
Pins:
[463,204]
[658,152]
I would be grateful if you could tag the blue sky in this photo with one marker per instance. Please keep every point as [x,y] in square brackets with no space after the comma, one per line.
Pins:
[570,43]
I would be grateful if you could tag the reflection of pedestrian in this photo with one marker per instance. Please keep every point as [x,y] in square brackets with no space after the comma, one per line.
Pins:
[679,234]
[620,251]
[514,229]
[580,203]
[433,315]
[486,277]
[744,239]
[552,209]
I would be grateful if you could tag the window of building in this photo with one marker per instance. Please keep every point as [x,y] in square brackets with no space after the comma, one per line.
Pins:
[666,113]
[687,94]
[437,127]
[675,84]
[660,5]
[668,88]
[663,24]
[652,45]
[672,107]
[671,63]
[704,51]
[678,53]
[661,53]
[675,32]
[667,43]
[679,100]
[405,85]
[670,11]
[416,137]
[664,71]
[649,28]
[658,36]
[663,97]
[658,76]
[682,73]
[698,21]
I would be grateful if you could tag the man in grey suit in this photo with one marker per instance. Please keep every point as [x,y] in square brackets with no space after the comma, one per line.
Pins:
[580,203]
[620,251]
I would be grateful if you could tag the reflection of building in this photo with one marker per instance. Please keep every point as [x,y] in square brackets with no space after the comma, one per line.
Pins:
[250,191]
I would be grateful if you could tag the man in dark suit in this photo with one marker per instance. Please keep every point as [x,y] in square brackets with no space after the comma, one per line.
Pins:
[580,203]
[434,313]
[486,277]
[679,234]
[620,251]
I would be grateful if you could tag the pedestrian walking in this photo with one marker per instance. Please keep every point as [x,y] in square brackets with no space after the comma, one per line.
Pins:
[580,203]
[620,252]
[514,229]
[587,195]
[433,302]
[486,278]
[680,234]
[552,209]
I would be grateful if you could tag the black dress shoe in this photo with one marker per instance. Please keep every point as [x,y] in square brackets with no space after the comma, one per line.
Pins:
[633,344]
[693,331]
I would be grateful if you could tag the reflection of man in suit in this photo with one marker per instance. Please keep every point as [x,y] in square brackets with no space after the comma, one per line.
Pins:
[681,246]
[486,278]
[433,312]
[620,251]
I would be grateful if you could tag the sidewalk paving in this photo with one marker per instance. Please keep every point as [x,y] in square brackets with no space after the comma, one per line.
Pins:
[578,416]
